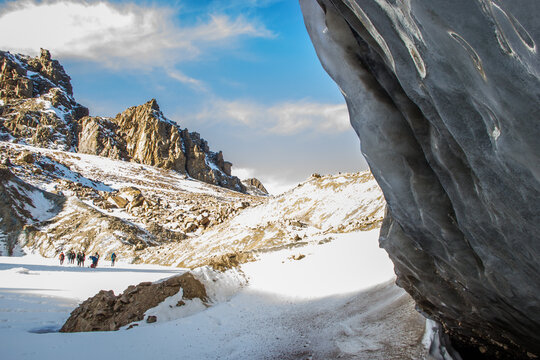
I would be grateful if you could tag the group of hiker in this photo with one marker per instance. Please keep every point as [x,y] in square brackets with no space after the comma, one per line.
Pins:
[81,257]
[71,256]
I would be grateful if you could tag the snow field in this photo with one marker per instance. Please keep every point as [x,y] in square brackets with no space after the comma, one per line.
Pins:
[289,309]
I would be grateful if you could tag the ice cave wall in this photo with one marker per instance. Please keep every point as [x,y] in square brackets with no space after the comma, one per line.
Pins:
[445,97]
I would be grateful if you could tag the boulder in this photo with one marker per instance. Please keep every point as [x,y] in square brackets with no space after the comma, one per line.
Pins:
[118,201]
[107,312]
[191,227]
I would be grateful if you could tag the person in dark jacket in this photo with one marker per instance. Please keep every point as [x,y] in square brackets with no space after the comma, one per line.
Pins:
[95,259]
[113,259]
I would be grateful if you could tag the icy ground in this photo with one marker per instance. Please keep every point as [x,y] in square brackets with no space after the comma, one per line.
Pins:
[339,301]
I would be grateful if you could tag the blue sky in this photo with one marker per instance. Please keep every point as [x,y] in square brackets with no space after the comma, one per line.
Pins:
[243,73]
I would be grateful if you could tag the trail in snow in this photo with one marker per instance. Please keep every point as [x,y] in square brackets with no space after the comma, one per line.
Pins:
[338,301]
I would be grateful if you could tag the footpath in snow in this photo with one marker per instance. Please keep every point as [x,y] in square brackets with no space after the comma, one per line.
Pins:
[337,300]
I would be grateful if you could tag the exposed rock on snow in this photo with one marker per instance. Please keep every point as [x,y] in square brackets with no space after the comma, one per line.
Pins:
[38,105]
[22,205]
[115,205]
[255,187]
[229,261]
[319,207]
[105,311]
[445,101]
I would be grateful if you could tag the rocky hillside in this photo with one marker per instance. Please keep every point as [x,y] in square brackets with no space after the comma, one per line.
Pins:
[153,215]
[108,205]
[315,209]
[37,108]
[22,204]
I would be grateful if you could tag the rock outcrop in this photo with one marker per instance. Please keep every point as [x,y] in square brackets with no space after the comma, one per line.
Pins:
[37,104]
[107,312]
[22,204]
[255,186]
[37,107]
[142,134]
[445,99]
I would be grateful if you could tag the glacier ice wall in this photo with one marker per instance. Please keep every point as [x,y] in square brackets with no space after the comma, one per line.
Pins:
[445,97]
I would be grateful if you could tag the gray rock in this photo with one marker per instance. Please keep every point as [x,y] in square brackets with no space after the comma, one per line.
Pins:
[445,98]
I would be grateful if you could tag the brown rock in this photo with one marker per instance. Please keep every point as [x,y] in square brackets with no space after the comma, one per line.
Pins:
[26,157]
[253,182]
[118,201]
[105,311]
[229,261]
[190,227]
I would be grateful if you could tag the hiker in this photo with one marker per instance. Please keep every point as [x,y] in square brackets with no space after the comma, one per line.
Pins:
[113,259]
[62,257]
[94,260]
[83,257]
[79,258]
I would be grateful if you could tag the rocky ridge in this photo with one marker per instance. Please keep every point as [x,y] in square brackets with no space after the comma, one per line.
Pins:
[37,108]
[254,186]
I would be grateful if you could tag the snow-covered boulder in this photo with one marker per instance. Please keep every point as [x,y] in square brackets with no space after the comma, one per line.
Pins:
[106,311]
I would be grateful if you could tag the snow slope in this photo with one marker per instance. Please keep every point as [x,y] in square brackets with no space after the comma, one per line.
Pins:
[338,301]
[315,209]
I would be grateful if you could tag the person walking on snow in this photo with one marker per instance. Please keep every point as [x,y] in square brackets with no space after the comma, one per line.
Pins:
[62,257]
[94,261]
[113,259]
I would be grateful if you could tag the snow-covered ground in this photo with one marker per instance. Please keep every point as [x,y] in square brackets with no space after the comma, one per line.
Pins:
[338,301]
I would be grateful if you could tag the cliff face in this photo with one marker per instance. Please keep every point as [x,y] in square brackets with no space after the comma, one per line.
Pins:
[445,99]
[142,134]
[22,204]
[37,107]
[36,102]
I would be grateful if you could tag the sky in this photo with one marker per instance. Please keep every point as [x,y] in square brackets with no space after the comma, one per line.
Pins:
[242,73]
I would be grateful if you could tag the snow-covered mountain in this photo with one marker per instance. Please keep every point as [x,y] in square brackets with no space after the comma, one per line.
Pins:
[152,215]
[107,205]
[37,108]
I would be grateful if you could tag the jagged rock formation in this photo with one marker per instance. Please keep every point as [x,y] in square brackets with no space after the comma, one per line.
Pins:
[36,101]
[107,312]
[142,134]
[37,107]
[445,100]
[255,186]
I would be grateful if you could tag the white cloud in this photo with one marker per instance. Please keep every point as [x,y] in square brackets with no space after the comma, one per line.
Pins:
[274,184]
[117,36]
[183,78]
[287,118]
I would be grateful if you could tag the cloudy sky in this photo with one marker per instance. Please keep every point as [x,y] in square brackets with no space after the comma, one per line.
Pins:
[243,73]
